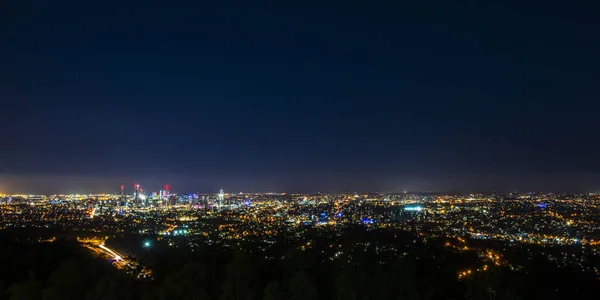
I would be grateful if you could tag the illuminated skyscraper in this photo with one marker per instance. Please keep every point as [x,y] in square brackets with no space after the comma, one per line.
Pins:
[220,198]
[165,194]
[122,198]
[142,197]
[136,195]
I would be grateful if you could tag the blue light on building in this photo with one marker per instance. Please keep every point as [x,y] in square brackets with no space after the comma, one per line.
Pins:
[413,208]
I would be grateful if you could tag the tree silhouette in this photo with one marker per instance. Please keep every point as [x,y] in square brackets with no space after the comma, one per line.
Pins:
[29,289]
[302,287]
[377,282]
[363,278]
[296,260]
[116,286]
[485,285]
[273,291]
[186,284]
[345,284]
[72,279]
[3,290]
[402,281]
[240,277]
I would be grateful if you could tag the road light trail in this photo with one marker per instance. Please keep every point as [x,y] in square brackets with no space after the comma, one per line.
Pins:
[119,261]
[115,254]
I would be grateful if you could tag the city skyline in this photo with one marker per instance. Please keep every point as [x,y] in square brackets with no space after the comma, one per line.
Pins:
[85,185]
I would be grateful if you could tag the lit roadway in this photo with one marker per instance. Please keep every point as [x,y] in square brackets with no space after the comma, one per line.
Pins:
[119,260]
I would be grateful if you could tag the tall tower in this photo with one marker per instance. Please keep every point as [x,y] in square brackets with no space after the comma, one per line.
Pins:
[142,199]
[136,195]
[122,199]
[221,197]
[166,194]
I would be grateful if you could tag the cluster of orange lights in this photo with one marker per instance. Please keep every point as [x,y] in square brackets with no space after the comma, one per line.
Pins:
[469,272]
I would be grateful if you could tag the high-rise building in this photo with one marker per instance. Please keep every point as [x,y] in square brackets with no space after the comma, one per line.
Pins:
[136,195]
[165,193]
[220,198]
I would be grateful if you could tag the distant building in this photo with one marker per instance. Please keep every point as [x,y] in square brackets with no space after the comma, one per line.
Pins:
[220,198]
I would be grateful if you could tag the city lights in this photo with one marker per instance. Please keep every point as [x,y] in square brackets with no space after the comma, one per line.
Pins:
[463,224]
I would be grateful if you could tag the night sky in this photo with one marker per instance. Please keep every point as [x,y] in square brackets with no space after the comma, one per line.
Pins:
[299,96]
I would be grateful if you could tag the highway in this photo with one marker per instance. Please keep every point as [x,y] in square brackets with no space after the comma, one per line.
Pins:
[118,260]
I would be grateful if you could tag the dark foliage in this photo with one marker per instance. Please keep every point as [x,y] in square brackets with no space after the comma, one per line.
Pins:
[64,270]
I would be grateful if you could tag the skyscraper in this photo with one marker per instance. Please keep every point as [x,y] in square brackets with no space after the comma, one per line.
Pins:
[136,195]
[220,198]
[122,199]
[165,194]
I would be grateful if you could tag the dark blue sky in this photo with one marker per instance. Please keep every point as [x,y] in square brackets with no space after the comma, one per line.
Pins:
[350,95]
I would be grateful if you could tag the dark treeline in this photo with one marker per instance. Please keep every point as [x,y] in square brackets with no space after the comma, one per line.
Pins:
[64,270]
